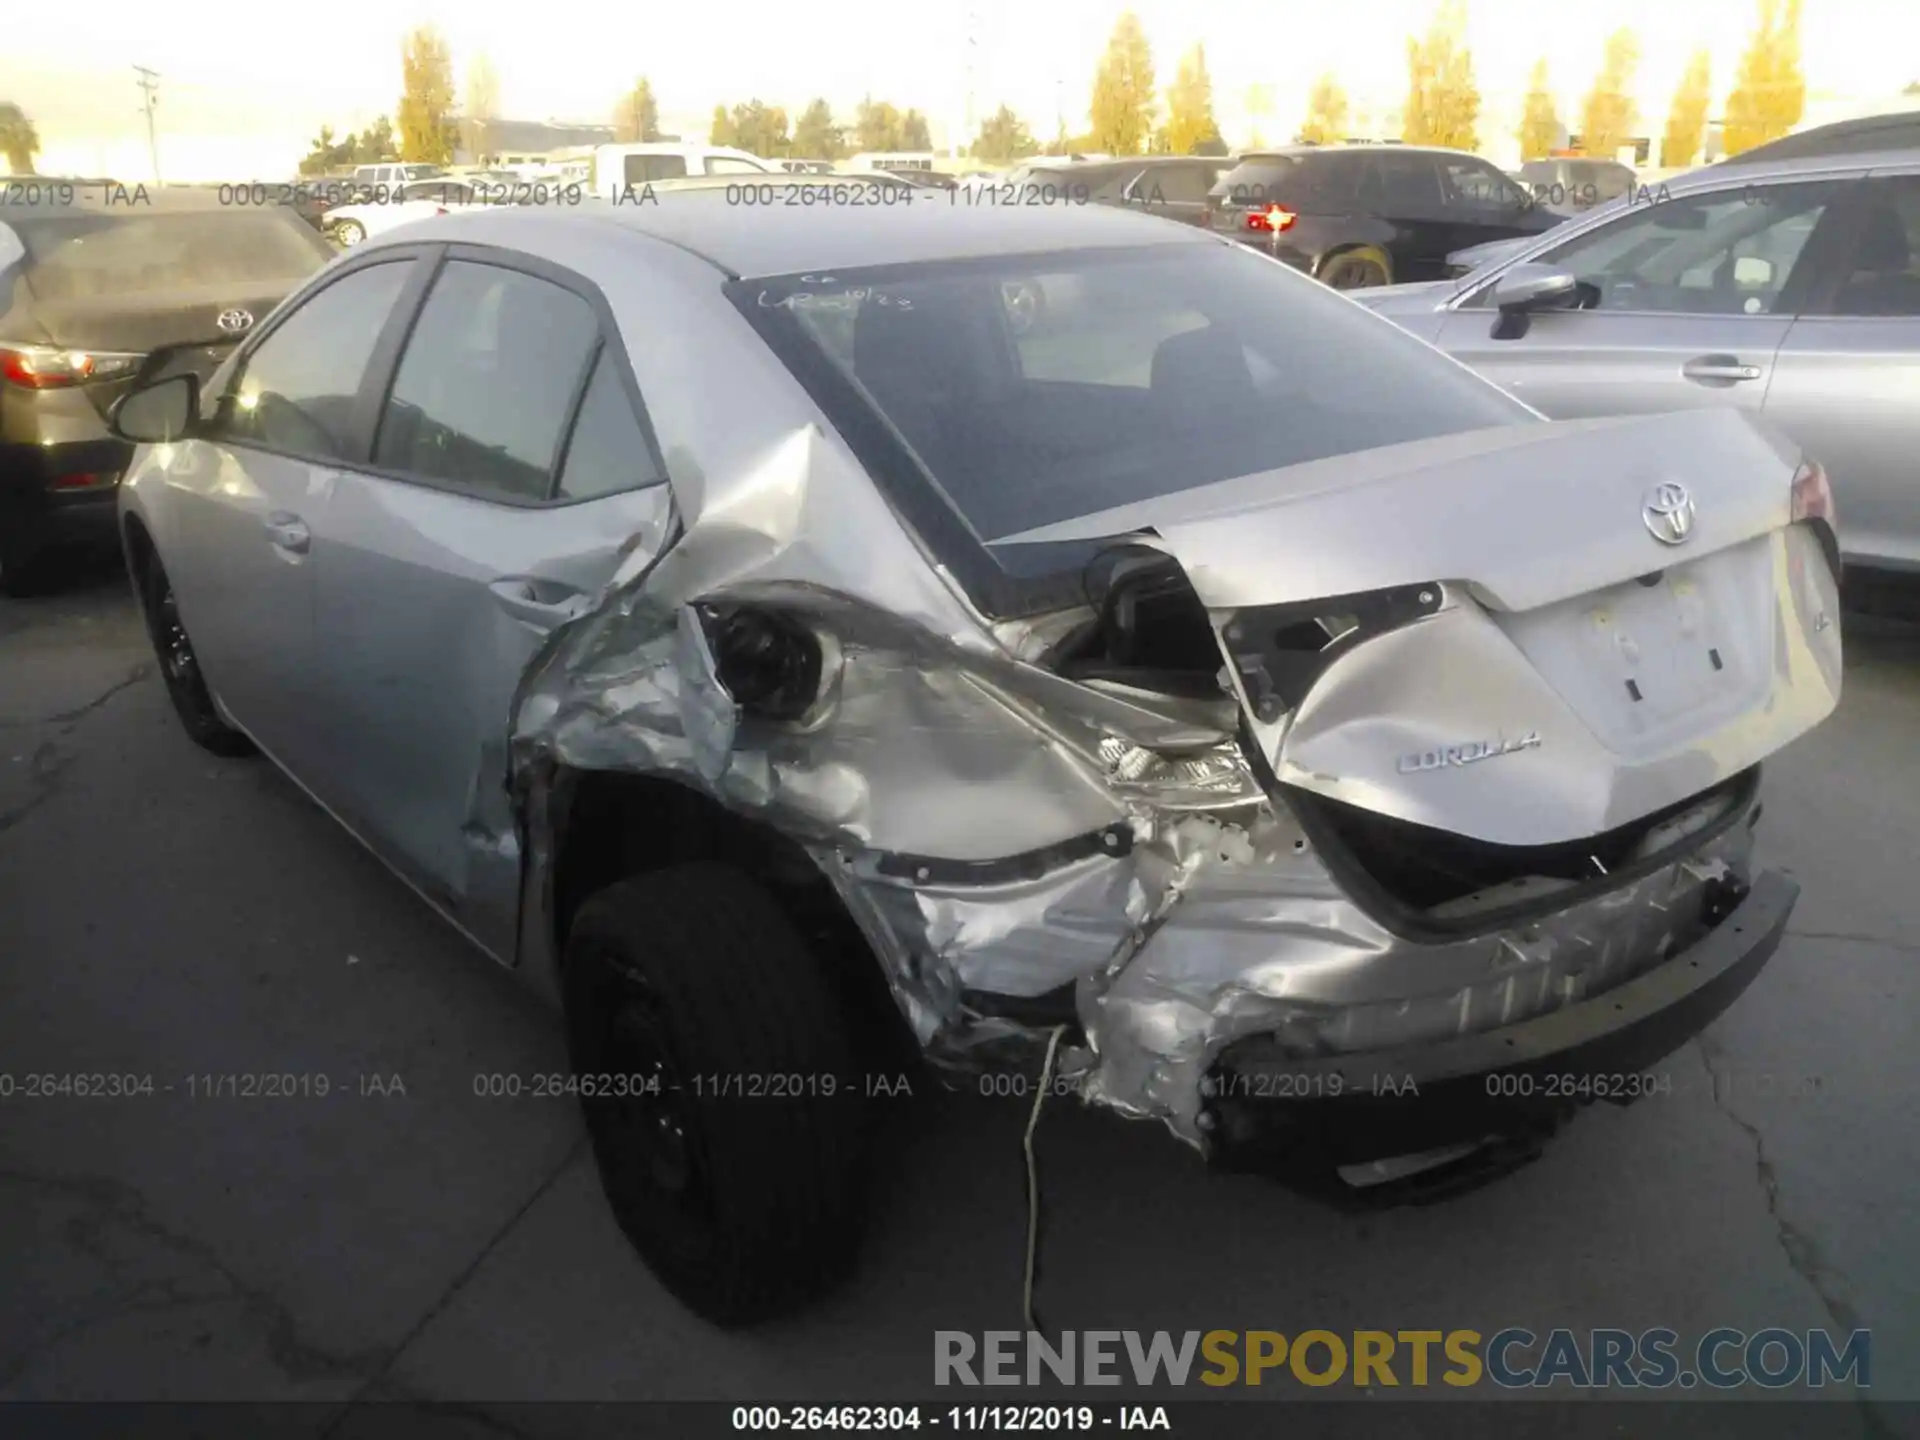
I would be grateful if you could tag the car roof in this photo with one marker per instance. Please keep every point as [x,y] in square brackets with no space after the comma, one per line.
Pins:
[1809,165]
[1300,152]
[746,241]
[1868,133]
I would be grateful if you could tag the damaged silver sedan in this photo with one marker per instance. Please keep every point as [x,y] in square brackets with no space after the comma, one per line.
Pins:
[768,637]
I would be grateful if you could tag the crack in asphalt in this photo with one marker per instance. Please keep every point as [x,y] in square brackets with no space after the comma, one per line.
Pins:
[1802,1253]
[433,1312]
[105,1202]
[50,762]
[1906,946]
[140,671]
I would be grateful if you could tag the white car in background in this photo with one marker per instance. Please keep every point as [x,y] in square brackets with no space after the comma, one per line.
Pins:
[348,225]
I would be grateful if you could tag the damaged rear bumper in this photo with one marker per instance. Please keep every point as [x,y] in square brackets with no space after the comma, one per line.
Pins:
[1309,1119]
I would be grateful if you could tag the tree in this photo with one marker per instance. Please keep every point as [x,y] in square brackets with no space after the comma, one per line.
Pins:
[1123,102]
[323,155]
[1540,120]
[759,129]
[1326,113]
[1769,90]
[1190,119]
[1687,120]
[482,104]
[1607,118]
[426,98]
[721,132]
[877,126]
[637,115]
[913,132]
[19,141]
[1913,89]
[1003,137]
[815,136]
[1443,103]
[374,145]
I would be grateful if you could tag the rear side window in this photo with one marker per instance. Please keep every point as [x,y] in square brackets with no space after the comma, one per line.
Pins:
[639,169]
[487,382]
[608,451]
[97,256]
[1400,182]
[297,391]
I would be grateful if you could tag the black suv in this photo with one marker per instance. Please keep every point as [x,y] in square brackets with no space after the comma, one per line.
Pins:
[1362,215]
[99,291]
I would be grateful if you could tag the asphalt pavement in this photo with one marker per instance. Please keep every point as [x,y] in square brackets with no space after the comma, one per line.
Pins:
[169,915]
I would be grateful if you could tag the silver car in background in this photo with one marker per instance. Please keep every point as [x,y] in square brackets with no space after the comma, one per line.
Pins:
[1789,291]
[737,624]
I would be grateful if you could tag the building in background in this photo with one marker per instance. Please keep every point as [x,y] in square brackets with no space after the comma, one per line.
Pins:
[510,143]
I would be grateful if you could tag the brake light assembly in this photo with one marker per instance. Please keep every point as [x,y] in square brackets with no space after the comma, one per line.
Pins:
[1274,220]
[47,367]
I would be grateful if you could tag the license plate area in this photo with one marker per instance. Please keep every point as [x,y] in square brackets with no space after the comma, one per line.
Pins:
[1671,656]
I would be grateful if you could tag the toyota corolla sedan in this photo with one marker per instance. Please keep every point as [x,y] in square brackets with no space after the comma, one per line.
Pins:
[1197,691]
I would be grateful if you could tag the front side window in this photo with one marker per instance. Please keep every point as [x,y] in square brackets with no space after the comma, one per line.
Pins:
[296,391]
[1729,252]
[487,381]
[1038,389]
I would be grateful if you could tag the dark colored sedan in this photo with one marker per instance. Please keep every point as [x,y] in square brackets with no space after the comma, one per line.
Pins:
[94,295]
[1362,215]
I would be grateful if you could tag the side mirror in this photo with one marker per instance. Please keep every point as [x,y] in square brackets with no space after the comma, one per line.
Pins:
[1530,287]
[157,413]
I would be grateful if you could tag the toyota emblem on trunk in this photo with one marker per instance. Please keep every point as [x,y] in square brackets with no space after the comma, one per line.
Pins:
[234,321]
[1668,512]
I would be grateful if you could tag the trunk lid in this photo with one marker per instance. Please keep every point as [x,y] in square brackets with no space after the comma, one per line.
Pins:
[184,323]
[1484,634]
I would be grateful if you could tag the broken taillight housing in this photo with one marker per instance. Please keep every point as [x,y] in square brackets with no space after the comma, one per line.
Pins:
[1812,494]
[1216,777]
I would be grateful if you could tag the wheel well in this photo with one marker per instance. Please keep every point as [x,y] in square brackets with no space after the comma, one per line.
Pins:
[613,825]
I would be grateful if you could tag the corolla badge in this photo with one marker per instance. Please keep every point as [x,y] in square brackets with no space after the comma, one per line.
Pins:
[1668,513]
[234,321]
[1472,753]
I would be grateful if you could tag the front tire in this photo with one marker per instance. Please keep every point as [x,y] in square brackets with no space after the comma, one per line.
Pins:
[732,1146]
[180,668]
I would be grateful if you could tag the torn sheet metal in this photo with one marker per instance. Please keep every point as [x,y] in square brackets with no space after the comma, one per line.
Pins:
[1215,921]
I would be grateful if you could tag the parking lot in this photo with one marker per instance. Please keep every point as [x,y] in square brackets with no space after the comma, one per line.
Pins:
[166,914]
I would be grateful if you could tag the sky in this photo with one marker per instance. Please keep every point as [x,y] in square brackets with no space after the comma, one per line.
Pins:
[243,92]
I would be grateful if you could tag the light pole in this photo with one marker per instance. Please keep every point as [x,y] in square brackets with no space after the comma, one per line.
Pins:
[149,83]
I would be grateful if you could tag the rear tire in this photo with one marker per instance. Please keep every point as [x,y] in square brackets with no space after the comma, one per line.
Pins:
[348,233]
[739,1178]
[180,668]
[1357,270]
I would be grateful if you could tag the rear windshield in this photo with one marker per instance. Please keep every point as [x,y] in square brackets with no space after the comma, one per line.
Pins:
[1036,389]
[1288,179]
[98,256]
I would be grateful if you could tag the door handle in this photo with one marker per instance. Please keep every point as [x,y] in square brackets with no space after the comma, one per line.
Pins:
[288,532]
[1719,367]
[538,602]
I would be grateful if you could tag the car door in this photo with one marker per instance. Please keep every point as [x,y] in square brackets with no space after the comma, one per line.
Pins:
[1689,301]
[1846,384]
[511,472]
[244,500]
[1402,189]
